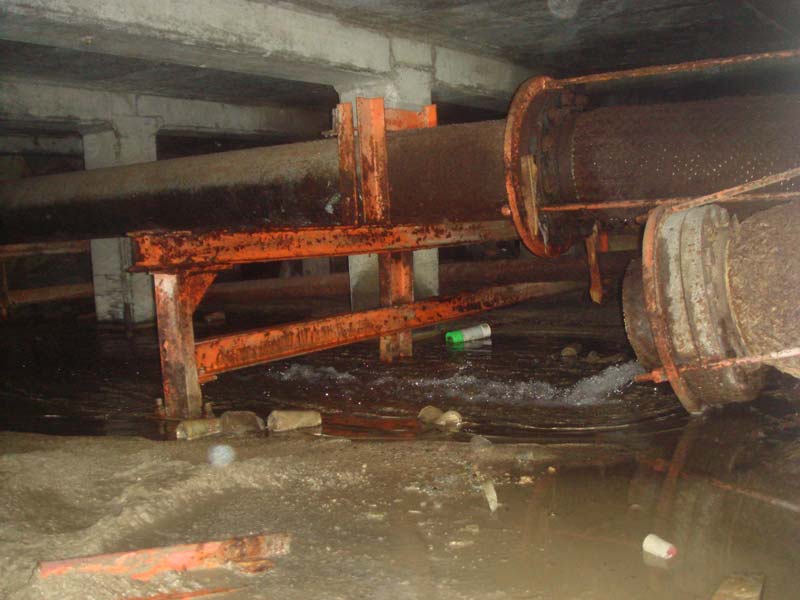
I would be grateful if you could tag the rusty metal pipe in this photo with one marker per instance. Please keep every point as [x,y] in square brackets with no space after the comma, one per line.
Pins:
[556,147]
[713,301]
[436,175]
[453,277]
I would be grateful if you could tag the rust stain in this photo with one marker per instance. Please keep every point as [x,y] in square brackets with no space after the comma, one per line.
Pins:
[236,351]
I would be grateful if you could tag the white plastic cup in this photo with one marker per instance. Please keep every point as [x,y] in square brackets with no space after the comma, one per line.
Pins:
[656,546]
[470,334]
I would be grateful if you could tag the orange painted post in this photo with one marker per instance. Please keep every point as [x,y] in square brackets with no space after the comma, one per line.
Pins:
[145,564]
[348,186]
[177,295]
[396,272]
[374,162]
[595,279]
[396,269]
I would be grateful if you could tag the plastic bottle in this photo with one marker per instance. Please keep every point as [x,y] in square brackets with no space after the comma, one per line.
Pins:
[459,336]
[659,547]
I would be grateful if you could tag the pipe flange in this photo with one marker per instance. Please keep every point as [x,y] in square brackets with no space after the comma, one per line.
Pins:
[523,179]
[685,300]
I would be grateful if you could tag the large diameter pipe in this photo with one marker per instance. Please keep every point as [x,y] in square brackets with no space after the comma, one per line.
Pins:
[568,152]
[590,157]
[763,283]
[452,173]
[711,290]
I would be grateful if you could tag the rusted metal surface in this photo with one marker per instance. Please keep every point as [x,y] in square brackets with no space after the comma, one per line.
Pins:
[287,185]
[522,181]
[637,323]
[686,304]
[400,120]
[595,279]
[157,251]
[396,272]
[615,162]
[655,309]
[395,269]
[177,296]
[764,280]
[373,160]
[453,277]
[236,351]
[696,66]
[439,174]
[647,204]
[348,188]
[143,565]
[659,376]
[450,173]
[681,149]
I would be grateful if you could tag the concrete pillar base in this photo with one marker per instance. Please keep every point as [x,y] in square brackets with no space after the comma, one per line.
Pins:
[120,296]
[364,287]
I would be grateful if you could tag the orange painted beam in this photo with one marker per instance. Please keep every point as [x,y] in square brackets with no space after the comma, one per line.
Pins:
[178,250]
[145,564]
[235,351]
[398,119]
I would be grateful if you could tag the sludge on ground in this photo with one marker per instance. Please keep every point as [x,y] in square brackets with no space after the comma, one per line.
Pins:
[571,461]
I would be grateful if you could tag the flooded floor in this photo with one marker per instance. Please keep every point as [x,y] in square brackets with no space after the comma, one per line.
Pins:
[584,465]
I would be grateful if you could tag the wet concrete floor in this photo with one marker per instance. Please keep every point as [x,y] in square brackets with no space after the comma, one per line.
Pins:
[584,464]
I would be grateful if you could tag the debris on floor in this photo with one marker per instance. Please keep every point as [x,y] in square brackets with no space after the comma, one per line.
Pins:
[741,587]
[250,554]
[652,544]
[288,420]
[468,334]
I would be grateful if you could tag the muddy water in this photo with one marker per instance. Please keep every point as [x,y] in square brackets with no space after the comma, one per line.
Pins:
[76,378]
[584,464]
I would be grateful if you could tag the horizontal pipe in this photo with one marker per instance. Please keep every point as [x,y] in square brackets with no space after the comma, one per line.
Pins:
[71,291]
[155,251]
[443,174]
[236,351]
[8,251]
[453,277]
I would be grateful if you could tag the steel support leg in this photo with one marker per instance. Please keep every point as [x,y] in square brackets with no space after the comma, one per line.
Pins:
[396,272]
[177,295]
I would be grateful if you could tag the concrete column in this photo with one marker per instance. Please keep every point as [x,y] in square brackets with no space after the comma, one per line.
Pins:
[120,296]
[408,88]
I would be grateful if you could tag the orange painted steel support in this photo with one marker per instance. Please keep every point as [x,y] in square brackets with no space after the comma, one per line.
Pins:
[250,552]
[227,353]
[181,250]
[396,272]
[374,160]
[395,269]
[398,120]
[185,262]
[348,178]
[177,295]
[595,279]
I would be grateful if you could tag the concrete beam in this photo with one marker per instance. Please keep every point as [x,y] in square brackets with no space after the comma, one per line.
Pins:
[27,101]
[252,37]
[19,143]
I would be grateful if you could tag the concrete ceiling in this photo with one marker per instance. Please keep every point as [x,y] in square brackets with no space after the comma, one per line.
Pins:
[570,37]
[557,37]
[124,74]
